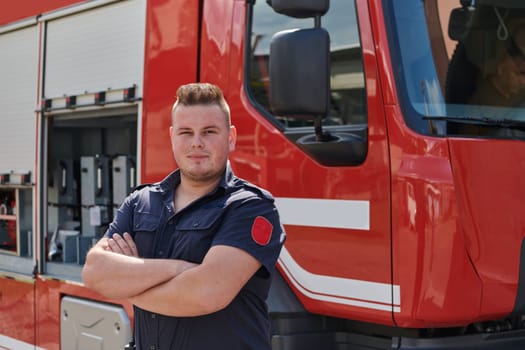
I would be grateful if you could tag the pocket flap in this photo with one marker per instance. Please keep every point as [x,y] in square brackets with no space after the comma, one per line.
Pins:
[203,219]
[145,222]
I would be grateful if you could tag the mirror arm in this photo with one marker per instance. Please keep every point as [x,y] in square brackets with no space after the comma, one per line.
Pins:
[320,135]
[317,21]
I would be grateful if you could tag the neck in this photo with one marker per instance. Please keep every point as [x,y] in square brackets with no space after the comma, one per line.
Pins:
[188,191]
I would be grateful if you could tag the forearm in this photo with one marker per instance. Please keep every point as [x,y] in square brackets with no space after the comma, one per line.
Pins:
[118,276]
[207,288]
[184,295]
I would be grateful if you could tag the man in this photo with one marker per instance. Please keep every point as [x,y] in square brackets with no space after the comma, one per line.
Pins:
[194,253]
[504,85]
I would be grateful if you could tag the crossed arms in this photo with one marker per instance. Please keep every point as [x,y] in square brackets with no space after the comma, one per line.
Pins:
[167,286]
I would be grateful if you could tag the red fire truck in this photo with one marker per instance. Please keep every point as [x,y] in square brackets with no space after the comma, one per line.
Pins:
[391,134]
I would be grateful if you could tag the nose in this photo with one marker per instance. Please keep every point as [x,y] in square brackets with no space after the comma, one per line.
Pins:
[196,141]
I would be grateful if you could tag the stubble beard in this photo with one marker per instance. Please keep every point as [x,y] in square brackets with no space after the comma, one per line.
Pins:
[202,177]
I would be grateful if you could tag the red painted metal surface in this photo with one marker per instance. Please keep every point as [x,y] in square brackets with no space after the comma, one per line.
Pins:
[21,9]
[491,220]
[171,60]
[216,44]
[439,287]
[17,308]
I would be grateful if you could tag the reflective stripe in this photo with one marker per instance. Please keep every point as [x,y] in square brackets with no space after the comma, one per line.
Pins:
[15,344]
[335,213]
[366,294]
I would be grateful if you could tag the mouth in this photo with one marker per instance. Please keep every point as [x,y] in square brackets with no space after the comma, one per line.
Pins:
[197,156]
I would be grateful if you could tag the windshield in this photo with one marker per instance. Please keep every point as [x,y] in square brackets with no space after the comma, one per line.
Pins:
[466,74]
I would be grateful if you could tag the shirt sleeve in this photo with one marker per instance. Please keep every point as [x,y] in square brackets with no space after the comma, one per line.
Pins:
[253,225]
[123,219]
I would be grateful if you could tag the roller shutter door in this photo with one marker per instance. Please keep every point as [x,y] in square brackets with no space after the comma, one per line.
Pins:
[96,50]
[18,99]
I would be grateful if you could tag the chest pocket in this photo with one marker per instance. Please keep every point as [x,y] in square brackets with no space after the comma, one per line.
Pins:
[145,226]
[195,234]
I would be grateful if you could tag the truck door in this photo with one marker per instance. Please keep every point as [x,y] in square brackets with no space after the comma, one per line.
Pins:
[333,196]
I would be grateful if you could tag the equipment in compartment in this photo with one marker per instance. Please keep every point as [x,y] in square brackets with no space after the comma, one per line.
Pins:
[64,242]
[123,179]
[7,219]
[67,183]
[105,181]
[63,245]
[96,194]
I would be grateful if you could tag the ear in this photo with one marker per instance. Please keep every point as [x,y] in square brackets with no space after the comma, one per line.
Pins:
[232,137]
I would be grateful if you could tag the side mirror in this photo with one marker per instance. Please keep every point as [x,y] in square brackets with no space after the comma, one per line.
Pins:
[300,8]
[300,72]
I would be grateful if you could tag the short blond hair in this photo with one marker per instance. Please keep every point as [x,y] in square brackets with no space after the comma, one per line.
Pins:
[202,94]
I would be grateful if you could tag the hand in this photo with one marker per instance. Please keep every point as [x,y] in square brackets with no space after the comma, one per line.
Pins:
[122,245]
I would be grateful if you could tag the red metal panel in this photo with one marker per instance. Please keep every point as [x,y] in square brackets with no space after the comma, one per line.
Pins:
[491,196]
[439,286]
[171,60]
[216,42]
[385,74]
[17,309]
[21,9]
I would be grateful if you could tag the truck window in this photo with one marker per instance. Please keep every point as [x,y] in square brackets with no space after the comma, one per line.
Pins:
[465,77]
[348,96]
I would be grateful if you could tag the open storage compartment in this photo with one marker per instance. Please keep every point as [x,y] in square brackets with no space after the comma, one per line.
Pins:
[91,167]
[16,235]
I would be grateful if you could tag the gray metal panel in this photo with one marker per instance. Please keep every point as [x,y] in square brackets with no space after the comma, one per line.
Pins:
[89,325]
[95,175]
[96,193]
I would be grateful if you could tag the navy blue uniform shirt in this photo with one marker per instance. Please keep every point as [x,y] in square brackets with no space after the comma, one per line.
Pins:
[237,214]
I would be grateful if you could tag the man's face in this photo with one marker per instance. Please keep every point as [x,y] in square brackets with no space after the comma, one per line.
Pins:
[511,75]
[201,141]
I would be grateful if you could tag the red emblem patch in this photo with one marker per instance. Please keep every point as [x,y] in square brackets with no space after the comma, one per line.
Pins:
[261,230]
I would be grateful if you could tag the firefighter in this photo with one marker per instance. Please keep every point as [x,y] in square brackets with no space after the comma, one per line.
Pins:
[194,253]
[504,83]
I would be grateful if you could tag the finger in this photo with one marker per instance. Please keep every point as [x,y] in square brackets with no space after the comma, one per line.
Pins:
[131,244]
[113,246]
[105,245]
[122,244]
